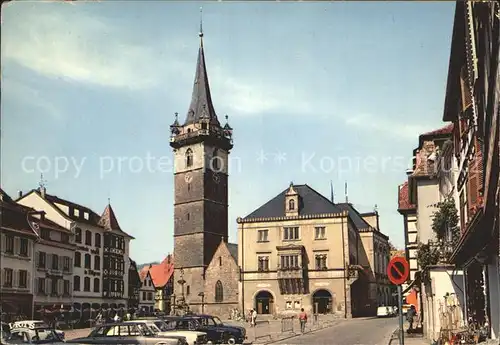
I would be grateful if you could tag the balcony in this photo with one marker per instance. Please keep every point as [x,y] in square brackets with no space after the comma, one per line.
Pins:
[116,251]
[290,272]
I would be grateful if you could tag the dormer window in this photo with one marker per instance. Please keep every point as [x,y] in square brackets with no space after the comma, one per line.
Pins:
[291,205]
[86,215]
[189,158]
[203,126]
[77,212]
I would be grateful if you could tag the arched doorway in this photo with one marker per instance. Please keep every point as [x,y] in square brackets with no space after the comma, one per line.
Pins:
[264,302]
[322,302]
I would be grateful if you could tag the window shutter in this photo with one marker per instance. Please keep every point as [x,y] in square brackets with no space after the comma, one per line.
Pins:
[37,259]
[70,290]
[61,262]
[473,187]
[28,280]
[30,249]
[4,239]
[60,287]
[15,278]
[48,285]
[48,260]
[17,245]
[70,264]
[465,88]
[35,285]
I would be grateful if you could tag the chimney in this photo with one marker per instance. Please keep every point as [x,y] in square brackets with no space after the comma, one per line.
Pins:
[20,193]
[42,191]
[42,215]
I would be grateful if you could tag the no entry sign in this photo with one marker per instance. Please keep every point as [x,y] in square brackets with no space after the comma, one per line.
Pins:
[398,270]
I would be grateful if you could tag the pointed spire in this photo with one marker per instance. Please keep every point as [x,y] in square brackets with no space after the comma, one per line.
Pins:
[108,219]
[332,195]
[201,100]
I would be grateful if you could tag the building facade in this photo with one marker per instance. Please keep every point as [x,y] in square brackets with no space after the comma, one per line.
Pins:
[94,237]
[301,250]
[134,285]
[472,105]
[53,270]
[16,260]
[201,147]
[222,281]
[147,291]
[163,279]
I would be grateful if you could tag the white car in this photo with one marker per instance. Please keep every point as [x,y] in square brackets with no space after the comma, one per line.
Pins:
[34,324]
[161,328]
[383,311]
[32,335]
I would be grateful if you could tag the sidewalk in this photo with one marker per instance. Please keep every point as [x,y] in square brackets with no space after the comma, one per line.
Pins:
[270,331]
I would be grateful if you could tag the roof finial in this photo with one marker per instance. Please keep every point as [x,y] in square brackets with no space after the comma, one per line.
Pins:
[42,182]
[109,201]
[346,195]
[201,22]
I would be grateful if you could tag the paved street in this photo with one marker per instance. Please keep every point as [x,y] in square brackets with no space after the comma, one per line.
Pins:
[371,331]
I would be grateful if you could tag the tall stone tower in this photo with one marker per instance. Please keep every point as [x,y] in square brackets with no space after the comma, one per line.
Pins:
[201,149]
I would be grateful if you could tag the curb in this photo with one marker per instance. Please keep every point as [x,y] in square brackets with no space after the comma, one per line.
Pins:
[297,334]
[393,336]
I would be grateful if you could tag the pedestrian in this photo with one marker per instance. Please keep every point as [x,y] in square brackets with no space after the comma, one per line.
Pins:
[116,318]
[303,320]
[410,317]
[253,317]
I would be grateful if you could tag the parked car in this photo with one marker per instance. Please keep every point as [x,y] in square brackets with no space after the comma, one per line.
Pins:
[34,324]
[133,332]
[212,324]
[32,335]
[383,311]
[161,328]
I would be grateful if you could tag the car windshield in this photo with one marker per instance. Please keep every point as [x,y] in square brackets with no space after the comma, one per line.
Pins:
[122,330]
[181,324]
[162,326]
[217,321]
[155,329]
[33,336]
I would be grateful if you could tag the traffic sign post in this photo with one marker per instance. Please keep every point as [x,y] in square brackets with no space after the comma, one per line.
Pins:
[398,271]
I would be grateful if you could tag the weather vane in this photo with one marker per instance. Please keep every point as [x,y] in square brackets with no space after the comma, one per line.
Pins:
[42,182]
[201,21]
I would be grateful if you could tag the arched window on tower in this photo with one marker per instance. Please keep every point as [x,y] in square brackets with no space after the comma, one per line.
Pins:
[215,161]
[291,204]
[219,292]
[189,158]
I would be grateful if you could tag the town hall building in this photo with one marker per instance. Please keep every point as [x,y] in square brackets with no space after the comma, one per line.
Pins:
[201,145]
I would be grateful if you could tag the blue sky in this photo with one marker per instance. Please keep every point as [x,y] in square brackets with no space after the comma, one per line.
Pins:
[312,83]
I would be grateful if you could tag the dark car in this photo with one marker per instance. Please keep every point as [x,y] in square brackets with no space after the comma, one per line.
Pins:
[229,334]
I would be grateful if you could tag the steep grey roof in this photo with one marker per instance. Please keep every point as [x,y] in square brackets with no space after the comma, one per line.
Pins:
[310,203]
[201,106]
[354,215]
[233,249]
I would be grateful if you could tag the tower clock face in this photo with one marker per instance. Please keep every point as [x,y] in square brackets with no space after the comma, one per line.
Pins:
[188,178]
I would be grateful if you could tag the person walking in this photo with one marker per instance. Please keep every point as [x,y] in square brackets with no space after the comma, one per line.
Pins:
[253,317]
[410,317]
[303,320]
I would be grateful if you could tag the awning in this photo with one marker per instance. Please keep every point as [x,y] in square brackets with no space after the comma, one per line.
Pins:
[414,282]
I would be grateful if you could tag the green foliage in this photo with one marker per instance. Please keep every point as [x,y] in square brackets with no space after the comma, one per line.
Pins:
[427,255]
[445,222]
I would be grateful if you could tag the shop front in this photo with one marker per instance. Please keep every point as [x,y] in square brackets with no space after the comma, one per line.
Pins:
[16,306]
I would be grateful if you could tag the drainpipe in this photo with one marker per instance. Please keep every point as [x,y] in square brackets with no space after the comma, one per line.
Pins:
[242,270]
[344,270]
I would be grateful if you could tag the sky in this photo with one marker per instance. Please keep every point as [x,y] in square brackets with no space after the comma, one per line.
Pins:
[317,93]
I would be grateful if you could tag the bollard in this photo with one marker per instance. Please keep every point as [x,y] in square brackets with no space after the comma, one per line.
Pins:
[266,326]
[287,324]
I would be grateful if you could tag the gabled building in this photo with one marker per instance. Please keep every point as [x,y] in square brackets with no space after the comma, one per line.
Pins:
[16,259]
[222,281]
[147,291]
[134,285]
[472,105]
[301,250]
[163,280]
[100,260]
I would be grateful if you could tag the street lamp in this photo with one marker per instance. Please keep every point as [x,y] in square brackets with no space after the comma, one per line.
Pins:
[202,295]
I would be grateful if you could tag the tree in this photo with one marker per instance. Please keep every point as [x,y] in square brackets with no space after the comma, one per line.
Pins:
[445,222]
[427,256]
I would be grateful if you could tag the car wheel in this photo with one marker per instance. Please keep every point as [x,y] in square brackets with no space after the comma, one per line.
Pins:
[231,341]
